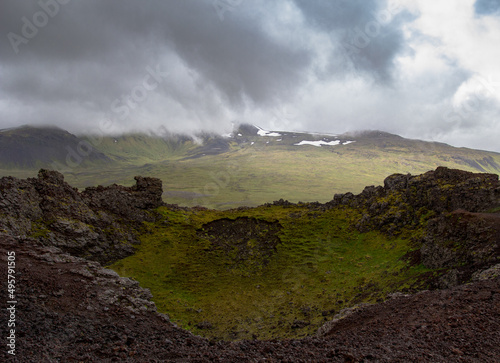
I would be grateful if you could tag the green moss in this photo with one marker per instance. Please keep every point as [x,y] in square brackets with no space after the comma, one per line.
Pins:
[39,230]
[321,265]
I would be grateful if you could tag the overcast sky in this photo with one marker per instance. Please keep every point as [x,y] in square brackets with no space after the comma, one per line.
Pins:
[427,69]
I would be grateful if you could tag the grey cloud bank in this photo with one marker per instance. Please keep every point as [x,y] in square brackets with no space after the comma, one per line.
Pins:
[406,67]
[487,6]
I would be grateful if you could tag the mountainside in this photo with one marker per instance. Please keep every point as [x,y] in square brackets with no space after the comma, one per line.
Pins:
[350,277]
[29,147]
[246,168]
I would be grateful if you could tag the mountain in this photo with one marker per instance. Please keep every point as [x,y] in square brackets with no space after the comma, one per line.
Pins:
[28,147]
[139,149]
[248,167]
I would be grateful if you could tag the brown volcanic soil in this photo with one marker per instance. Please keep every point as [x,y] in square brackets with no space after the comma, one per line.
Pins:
[72,310]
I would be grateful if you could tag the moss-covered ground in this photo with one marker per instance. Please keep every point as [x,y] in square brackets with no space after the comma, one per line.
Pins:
[319,266]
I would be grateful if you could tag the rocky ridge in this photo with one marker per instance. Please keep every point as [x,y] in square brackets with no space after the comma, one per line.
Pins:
[100,223]
[458,208]
[407,200]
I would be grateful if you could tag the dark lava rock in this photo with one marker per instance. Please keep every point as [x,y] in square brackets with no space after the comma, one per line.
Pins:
[131,203]
[246,241]
[460,237]
[99,223]
[71,309]
[462,243]
[405,199]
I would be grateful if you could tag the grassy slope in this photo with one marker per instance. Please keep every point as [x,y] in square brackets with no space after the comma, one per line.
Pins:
[321,266]
[139,149]
[28,147]
[252,175]
[268,170]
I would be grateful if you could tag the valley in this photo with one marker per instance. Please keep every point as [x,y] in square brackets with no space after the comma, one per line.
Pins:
[325,278]
[246,168]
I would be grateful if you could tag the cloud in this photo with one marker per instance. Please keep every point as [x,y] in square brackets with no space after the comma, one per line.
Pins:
[401,66]
[486,7]
[93,52]
[367,34]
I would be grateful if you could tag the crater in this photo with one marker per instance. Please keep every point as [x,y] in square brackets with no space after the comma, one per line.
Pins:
[245,243]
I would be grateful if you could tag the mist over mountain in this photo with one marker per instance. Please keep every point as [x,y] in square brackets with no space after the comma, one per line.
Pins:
[247,166]
[396,65]
[30,147]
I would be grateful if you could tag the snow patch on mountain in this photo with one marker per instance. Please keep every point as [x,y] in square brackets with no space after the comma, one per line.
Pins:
[263,132]
[318,143]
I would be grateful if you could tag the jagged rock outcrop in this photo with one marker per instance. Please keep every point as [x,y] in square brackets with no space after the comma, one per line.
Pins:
[407,200]
[460,237]
[99,223]
[131,203]
[245,241]
[464,243]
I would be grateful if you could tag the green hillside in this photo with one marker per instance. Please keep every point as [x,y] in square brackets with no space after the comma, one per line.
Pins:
[139,149]
[249,169]
[30,148]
